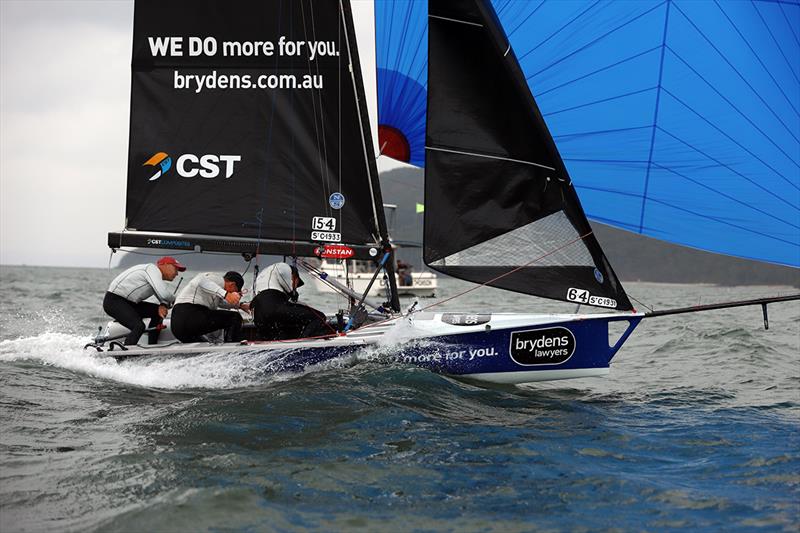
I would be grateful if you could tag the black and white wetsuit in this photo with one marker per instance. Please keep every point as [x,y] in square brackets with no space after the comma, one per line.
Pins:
[201,308]
[276,316]
[124,300]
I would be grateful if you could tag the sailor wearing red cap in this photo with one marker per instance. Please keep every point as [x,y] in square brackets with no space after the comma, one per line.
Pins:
[124,300]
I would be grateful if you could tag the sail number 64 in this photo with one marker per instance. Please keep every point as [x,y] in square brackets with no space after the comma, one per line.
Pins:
[578,295]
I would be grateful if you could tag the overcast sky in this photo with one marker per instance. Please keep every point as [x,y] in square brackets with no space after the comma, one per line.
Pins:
[64,103]
[64,97]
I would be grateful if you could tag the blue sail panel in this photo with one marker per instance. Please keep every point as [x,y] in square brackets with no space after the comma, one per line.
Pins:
[401,49]
[677,119]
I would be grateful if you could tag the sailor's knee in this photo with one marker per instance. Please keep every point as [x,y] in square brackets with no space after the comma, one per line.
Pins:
[138,328]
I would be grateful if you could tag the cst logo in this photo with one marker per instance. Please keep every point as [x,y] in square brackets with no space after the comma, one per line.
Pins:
[169,243]
[162,162]
[190,165]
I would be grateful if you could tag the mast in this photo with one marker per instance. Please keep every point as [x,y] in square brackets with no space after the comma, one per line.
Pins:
[369,154]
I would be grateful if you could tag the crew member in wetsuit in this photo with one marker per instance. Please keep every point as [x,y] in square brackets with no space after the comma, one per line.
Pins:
[277,314]
[124,300]
[203,306]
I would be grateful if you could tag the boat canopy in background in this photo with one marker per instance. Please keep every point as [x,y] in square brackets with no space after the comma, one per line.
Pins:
[677,119]
[235,138]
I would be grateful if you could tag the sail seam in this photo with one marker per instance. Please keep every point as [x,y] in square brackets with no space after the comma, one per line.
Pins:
[633,227]
[729,197]
[789,24]
[739,74]
[734,107]
[590,44]
[491,157]
[578,134]
[758,58]
[607,67]
[655,119]
[735,172]
[559,30]
[526,18]
[456,20]
[604,100]
[727,136]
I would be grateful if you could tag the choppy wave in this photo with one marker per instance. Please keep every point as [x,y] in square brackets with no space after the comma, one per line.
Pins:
[202,371]
[697,427]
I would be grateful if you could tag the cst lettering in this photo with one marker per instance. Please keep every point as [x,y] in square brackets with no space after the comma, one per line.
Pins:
[206,166]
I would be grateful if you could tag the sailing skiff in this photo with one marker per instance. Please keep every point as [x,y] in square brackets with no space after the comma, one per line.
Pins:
[287,167]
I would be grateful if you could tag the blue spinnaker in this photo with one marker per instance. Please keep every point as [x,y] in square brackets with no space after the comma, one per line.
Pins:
[679,120]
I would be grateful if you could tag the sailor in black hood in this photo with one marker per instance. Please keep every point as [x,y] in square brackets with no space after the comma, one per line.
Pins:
[277,314]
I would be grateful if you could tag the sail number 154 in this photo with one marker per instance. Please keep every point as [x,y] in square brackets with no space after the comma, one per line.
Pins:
[323,224]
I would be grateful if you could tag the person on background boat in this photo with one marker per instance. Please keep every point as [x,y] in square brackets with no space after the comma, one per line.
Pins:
[277,314]
[209,303]
[124,300]
[404,273]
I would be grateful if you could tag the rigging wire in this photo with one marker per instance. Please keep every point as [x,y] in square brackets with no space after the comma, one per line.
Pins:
[319,119]
[101,315]
[503,275]
[476,287]
[640,302]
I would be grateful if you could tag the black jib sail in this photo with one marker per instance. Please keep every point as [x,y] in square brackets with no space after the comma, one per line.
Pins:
[249,129]
[500,206]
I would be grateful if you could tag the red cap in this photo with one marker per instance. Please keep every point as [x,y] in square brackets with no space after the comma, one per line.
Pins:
[171,261]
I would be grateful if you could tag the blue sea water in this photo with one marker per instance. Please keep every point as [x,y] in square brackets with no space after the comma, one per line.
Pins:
[697,427]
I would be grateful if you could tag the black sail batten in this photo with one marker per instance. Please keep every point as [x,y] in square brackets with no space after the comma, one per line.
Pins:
[233,160]
[500,206]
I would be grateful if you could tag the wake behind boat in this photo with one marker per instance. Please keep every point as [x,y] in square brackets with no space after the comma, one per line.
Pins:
[289,169]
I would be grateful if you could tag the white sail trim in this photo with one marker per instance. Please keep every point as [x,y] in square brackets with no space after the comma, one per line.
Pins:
[549,241]
[369,152]
[456,20]
[475,154]
[364,22]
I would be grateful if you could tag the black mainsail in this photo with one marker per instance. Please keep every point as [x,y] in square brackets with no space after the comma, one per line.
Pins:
[249,130]
[500,205]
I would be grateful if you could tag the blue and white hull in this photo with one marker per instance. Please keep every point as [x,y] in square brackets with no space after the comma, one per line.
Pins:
[514,348]
[498,348]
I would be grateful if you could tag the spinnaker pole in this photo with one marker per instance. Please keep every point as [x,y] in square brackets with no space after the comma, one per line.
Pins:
[726,305]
